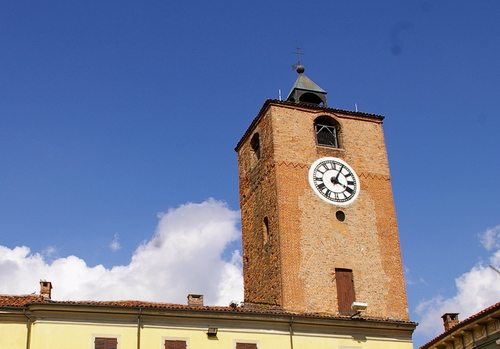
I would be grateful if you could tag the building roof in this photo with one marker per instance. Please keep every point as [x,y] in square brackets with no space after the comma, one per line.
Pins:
[25,301]
[19,301]
[304,83]
[494,309]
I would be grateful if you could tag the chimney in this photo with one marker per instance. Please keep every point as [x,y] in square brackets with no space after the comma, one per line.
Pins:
[449,320]
[195,299]
[45,289]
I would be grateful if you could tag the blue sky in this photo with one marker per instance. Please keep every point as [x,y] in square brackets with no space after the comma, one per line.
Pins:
[114,112]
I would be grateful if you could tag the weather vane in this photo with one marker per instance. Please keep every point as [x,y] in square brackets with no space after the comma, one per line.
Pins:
[298,53]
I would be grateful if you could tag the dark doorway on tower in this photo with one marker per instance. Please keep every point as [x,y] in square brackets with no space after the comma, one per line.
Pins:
[345,290]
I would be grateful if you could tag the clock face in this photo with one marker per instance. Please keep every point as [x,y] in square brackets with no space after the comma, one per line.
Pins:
[334,181]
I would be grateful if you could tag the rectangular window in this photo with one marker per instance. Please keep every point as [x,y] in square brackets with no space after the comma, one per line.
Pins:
[345,291]
[175,344]
[106,343]
[246,346]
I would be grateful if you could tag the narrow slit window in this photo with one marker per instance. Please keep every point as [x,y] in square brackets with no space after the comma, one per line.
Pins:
[266,230]
[255,144]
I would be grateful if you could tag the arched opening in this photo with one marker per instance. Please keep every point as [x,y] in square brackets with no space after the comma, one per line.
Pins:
[312,98]
[255,144]
[327,131]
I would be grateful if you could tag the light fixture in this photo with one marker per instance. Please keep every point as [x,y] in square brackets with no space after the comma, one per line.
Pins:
[358,307]
[212,332]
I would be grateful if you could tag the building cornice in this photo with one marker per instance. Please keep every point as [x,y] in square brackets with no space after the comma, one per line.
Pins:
[221,313]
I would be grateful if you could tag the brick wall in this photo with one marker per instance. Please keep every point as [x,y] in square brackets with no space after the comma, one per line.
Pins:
[295,268]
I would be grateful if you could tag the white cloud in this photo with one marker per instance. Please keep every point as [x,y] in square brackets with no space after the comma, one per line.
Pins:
[477,289]
[410,280]
[184,256]
[49,251]
[115,244]
[491,238]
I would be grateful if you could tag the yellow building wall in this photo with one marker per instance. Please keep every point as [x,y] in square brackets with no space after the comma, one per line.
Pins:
[81,336]
[197,338]
[13,335]
[347,343]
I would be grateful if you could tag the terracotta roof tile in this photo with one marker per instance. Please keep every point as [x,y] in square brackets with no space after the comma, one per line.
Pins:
[19,301]
[26,300]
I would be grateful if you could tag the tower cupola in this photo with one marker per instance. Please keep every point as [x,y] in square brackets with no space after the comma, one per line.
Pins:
[304,90]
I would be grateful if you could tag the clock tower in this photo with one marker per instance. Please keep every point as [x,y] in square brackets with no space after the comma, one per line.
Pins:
[318,219]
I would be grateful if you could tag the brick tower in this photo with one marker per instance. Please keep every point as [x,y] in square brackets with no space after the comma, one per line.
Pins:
[318,219]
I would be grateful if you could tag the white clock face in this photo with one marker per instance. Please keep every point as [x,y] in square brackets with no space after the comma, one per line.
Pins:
[334,181]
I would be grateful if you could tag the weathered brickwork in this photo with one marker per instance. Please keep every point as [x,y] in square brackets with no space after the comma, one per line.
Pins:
[291,261]
[258,199]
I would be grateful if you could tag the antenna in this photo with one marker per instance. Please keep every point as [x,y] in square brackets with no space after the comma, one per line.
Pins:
[298,53]
[356,106]
[495,269]
[279,94]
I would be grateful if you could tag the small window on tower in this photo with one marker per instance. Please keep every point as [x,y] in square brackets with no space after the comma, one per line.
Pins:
[327,132]
[255,144]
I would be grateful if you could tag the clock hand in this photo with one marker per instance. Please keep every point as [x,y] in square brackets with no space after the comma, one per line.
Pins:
[339,183]
[336,179]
